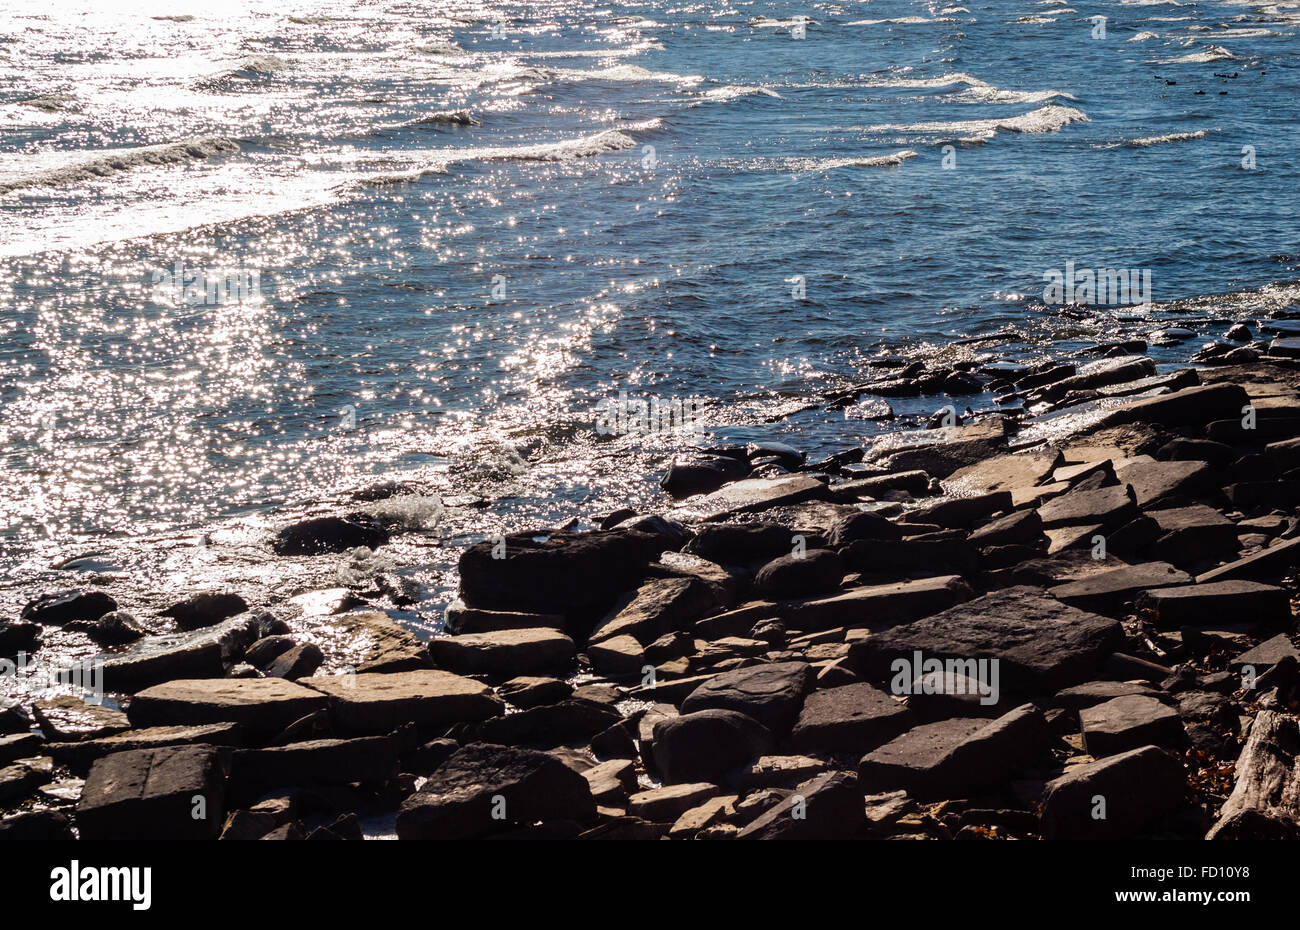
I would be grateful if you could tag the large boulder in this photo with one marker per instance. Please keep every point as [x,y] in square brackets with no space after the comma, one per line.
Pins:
[485,789]
[850,719]
[61,607]
[1112,798]
[260,705]
[827,807]
[168,793]
[707,744]
[772,694]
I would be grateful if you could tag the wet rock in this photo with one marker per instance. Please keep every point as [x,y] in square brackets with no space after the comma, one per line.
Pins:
[21,779]
[772,694]
[80,756]
[13,716]
[1265,799]
[505,653]
[1189,407]
[18,636]
[198,654]
[575,574]
[1131,789]
[813,572]
[462,619]
[259,705]
[150,794]
[853,718]
[913,482]
[379,702]
[751,495]
[66,718]
[827,807]
[266,650]
[1041,643]
[115,628]
[485,789]
[1203,604]
[373,642]
[205,609]
[18,746]
[62,607]
[943,452]
[1128,722]
[1108,590]
[299,661]
[1009,472]
[700,476]
[705,745]
[1239,332]
[330,534]
[726,584]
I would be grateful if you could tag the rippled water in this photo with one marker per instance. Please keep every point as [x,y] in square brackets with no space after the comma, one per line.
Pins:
[425,240]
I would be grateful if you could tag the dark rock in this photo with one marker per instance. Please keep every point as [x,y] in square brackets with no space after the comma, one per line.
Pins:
[1022,526]
[115,628]
[253,772]
[1110,507]
[61,607]
[1041,644]
[813,572]
[1189,407]
[658,607]
[66,718]
[505,653]
[18,636]
[380,702]
[153,794]
[205,609]
[854,718]
[1265,799]
[35,825]
[701,476]
[961,511]
[1129,722]
[772,694]
[1273,562]
[260,705]
[1203,604]
[575,720]
[752,495]
[199,654]
[731,543]
[266,650]
[1266,654]
[1108,590]
[297,662]
[857,526]
[705,745]
[79,756]
[485,789]
[527,692]
[824,808]
[330,534]
[1112,798]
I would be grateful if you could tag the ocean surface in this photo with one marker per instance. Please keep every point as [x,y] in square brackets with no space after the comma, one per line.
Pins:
[255,256]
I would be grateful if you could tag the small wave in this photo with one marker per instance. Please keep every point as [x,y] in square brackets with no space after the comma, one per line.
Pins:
[1144,37]
[731,92]
[897,21]
[1213,53]
[260,64]
[874,161]
[611,140]
[51,103]
[105,164]
[624,73]
[1171,137]
[182,18]
[310,20]
[1035,20]
[1045,119]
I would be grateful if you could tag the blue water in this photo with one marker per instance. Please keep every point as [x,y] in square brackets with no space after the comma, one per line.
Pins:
[632,200]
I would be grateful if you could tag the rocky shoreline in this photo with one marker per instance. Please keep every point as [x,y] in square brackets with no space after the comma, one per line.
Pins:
[1066,617]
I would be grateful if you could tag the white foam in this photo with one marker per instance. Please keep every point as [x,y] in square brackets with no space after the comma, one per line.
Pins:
[731,92]
[445,118]
[873,161]
[1171,137]
[625,73]
[1143,37]
[103,164]
[1045,119]
[897,21]
[1213,53]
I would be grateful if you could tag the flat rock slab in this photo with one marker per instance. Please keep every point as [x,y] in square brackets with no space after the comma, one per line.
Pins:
[259,705]
[1154,481]
[850,719]
[573,721]
[665,805]
[378,703]
[324,761]
[1041,643]
[80,756]
[1194,406]
[67,718]
[1265,799]
[461,619]
[1110,507]
[877,606]
[1273,562]
[1135,787]
[750,495]
[369,641]
[505,653]
[659,606]
[149,794]
[908,761]
[1109,590]
[1092,693]
[1003,473]
[1129,722]
[1204,604]
[826,807]
[772,694]
[485,789]
[1267,654]
[776,772]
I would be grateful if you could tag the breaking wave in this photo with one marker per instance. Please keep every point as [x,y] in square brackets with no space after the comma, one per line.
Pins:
[108,163]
